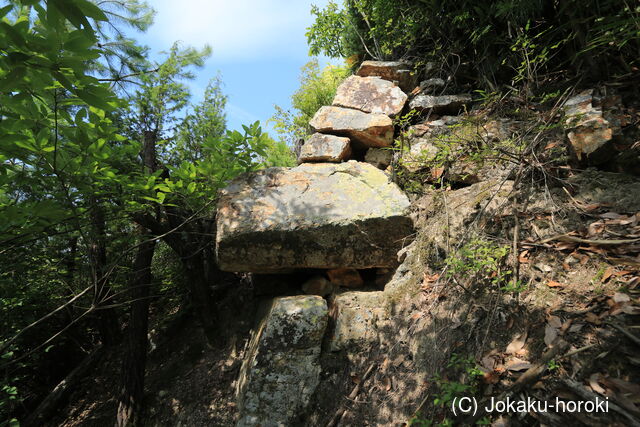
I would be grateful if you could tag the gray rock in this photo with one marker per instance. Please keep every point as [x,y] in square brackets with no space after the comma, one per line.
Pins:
[370,95]
[430,85]
[379,157]
[281,369]
[445,104]
[394,71]
[420,156]
[356,316]
[325,148]
[368,130]
[589,132]
[317,215]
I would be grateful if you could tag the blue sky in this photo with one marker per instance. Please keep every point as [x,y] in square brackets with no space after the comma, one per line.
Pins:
[258,46]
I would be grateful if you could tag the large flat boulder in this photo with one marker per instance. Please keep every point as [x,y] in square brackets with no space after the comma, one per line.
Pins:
[325,148]
[365,129]
[316,215]
[371,95]
[395,71]
[282,369]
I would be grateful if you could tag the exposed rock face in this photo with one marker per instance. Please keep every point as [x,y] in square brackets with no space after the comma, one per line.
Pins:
[445,104]
[369,130]
[355,319]
[379,157]
[282,370]
[325,215]
[589,132]
[462,206]
[390,70]
[325,148]
[370,95]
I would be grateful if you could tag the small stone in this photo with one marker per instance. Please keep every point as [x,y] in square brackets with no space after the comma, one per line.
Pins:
[318,285]
[430,85]
[445,104]
[379,157]
[325,148]
[370,95]
[420,156]
[394,71]
[366,129]
[345,277]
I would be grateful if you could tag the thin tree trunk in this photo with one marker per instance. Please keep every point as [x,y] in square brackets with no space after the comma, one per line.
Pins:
[130,401]
[201,298]
[135,355]
[107,320]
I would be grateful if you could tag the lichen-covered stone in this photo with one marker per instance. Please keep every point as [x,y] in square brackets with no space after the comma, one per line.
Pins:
[370,95]
[356,317]
[379,157]
[445,104]
[397,71]
[366,129]
[325,148]
[281,369]
[316,215]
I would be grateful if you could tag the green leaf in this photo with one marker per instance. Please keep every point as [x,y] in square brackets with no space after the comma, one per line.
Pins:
[13,34]
[5,10]
[91,10]
[64,81]
[9,82]
[72,12]
[92,97]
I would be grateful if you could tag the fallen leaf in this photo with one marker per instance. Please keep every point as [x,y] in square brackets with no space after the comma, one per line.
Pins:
[555,322]
[619,297]
[566,325]
[592,318]
[611,215]
[593,383]
[550,334]
[543,267]
[631,309]
[491,377]
[386,382]
[554,284]
[607,274]
[516,364]
[577,327]
[518,343]
[622,385]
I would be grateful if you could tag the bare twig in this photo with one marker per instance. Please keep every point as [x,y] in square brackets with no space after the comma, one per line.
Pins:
[337,417]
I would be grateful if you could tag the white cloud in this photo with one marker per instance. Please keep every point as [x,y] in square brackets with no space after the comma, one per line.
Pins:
[235,29]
